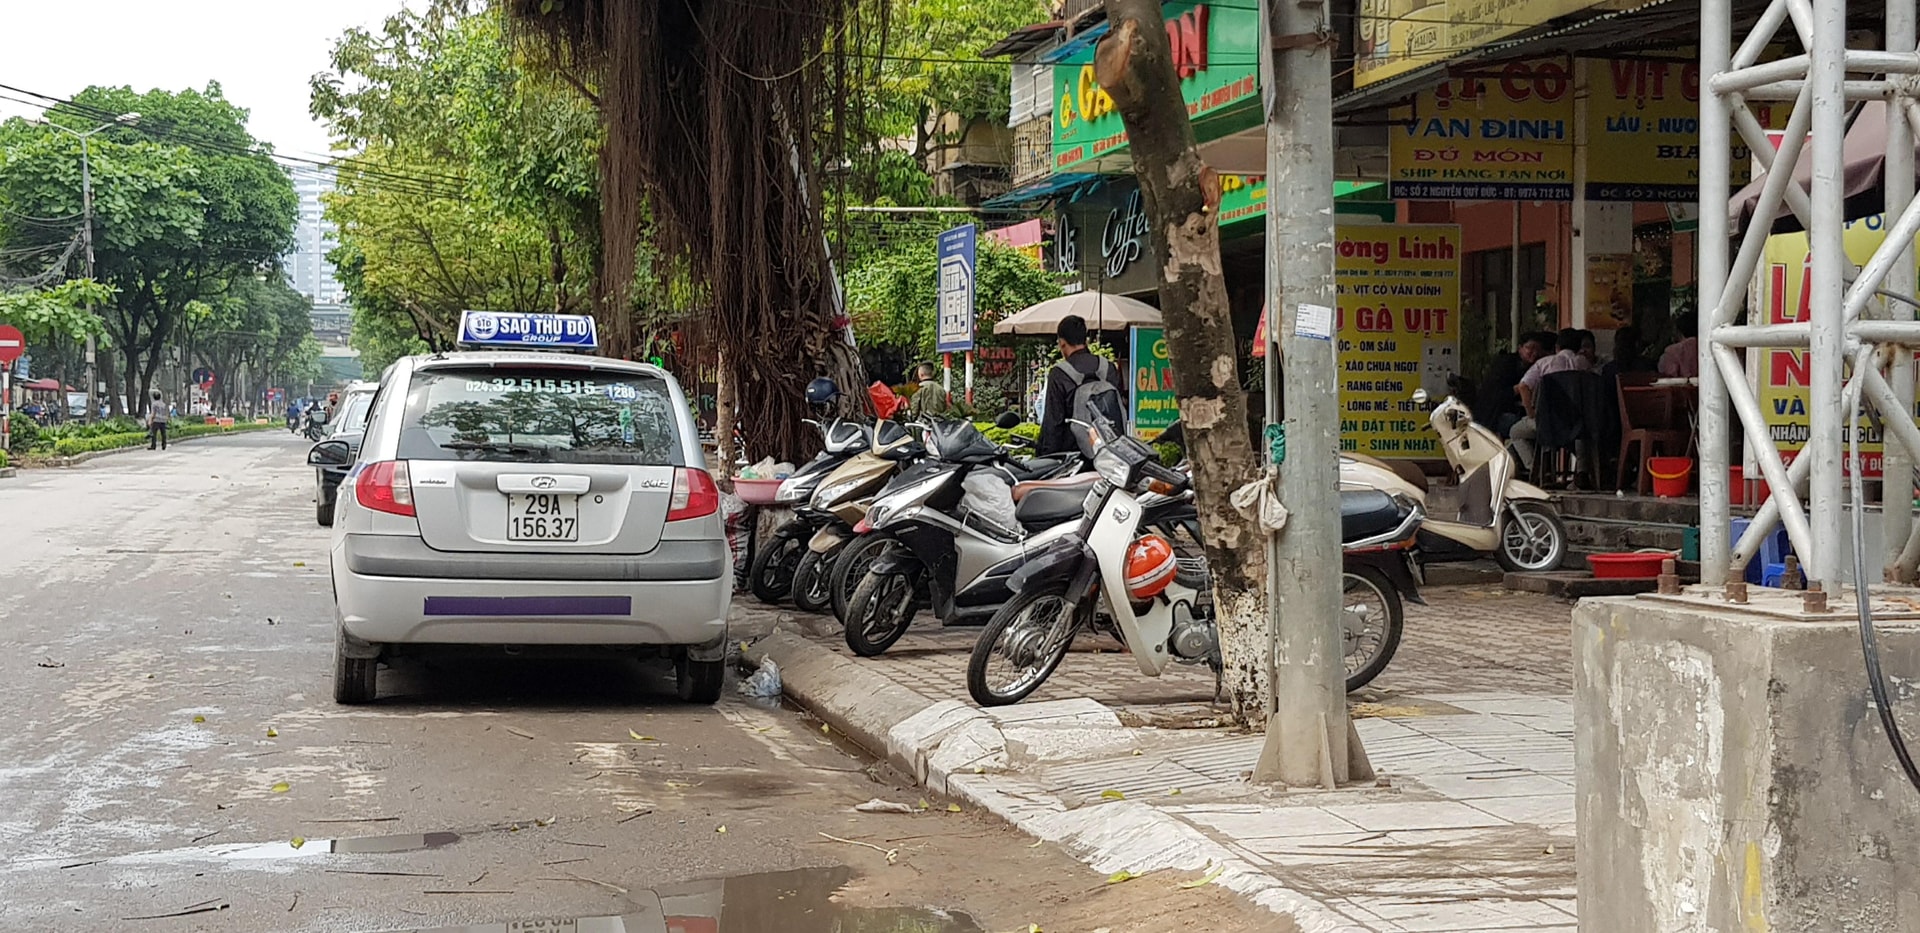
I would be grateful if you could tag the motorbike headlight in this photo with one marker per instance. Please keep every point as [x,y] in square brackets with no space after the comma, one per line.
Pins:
[827,495]
[1112,467]
[793,489]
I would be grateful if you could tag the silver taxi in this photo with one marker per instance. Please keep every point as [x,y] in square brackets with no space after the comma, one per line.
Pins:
[530,499]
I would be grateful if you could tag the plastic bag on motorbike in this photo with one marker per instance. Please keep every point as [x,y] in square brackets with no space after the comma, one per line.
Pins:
[985,498]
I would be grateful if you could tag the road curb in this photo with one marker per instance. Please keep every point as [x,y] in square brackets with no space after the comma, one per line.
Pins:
[963,752]
[7,472]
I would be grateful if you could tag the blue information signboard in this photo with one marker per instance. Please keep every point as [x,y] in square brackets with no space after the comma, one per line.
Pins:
[511,329]
[955,331]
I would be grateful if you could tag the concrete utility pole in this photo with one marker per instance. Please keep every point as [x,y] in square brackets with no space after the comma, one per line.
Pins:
[1308,733]
[86,240]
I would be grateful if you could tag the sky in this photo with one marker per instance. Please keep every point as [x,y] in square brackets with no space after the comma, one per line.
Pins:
[261,53]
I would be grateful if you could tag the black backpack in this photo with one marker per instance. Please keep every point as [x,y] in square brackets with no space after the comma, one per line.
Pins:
[1094,399]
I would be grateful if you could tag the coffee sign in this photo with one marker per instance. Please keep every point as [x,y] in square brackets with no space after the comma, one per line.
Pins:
[1104,239]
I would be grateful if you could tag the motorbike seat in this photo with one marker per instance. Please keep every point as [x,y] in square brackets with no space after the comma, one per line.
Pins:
[1367,512]
[1078,481]
[1048,506]
[1024,470]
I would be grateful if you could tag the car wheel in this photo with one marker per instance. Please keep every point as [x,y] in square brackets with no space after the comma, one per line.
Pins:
[699,681]
[323,513]
[353,678]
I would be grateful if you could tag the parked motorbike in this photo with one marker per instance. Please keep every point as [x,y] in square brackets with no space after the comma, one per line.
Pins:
[1109,574]
[952,535]
[838,504]
[771,574]
[1500,515]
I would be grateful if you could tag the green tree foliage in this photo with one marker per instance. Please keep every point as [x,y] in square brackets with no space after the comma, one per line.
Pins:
[57,313]
[894,297]
[260,329]
[184,203]
[473,184]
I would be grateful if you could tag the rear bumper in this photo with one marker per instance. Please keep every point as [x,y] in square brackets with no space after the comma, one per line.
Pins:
[670,561]
[437,610]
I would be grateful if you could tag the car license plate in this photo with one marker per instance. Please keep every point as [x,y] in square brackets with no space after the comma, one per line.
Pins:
[543,516]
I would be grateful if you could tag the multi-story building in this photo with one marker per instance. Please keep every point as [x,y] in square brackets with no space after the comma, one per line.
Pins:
[307,267]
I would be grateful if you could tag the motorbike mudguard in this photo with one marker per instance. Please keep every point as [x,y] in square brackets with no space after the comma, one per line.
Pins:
[1519,490]
[1394,565]
[830,536]
[1051,564]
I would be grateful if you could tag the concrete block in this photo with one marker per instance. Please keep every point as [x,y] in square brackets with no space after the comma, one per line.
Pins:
[912,740]
[1731,772]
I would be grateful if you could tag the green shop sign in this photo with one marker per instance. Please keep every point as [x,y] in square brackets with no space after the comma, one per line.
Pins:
[1216,52]
[1243,202]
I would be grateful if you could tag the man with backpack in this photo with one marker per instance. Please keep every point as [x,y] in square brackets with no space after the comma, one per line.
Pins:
[1083,386]
[930,400]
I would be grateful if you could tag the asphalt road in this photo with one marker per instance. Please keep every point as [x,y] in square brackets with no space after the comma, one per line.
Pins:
[171,758]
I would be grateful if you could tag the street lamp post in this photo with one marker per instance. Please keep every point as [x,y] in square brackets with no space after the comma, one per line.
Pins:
[86,238]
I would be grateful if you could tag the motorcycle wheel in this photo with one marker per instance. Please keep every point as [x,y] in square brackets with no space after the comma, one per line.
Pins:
[850,566]
[1023,644]
[771,575]
[810,580]
[879,612]
[1371,618]
[1532,541]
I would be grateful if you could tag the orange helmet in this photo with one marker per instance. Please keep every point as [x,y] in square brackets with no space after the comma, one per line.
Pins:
[1150,567]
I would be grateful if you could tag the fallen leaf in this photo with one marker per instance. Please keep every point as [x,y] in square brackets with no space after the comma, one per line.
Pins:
[1174,792]
[199,719]
[1205,879]
[298,841]
[1037,843]
[1121,875]
[1549,849]
[545,822]
[722,830]
[272,733]
[282,787]
[299,563]
[1033,928]
[1136,753]
[953,808]
[924,805]
[637,737]
[1112,795]
[520,732]
[825,728]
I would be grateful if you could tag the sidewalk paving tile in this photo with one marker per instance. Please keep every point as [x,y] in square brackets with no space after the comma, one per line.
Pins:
[1414,814]
[1472,787]
[1275,823]
[1546,809]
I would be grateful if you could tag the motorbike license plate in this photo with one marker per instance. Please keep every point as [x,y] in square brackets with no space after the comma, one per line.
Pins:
[543,516]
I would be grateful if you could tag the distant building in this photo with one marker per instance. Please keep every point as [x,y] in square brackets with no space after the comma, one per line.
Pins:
[307,267]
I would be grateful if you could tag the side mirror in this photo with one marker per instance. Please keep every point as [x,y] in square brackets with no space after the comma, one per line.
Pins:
[1006,420]
[330,453]
[1420,396]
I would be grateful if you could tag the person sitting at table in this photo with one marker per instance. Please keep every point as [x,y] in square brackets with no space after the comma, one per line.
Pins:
[1628,356]
[1565,358]
[1682,360]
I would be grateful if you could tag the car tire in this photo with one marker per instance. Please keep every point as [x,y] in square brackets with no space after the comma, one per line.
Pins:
[354,679]
[323,513]
[699,681]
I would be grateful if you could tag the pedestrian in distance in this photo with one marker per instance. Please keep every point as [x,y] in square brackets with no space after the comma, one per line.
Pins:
[930,400]
[1083,386]
[158,415]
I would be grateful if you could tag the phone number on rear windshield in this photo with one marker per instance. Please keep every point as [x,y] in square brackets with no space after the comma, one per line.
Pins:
[551,386]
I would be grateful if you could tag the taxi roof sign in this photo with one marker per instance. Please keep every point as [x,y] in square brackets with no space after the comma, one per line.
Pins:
[527,331]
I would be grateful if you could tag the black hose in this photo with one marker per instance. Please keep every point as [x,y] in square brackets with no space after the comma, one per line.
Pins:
[1869,643]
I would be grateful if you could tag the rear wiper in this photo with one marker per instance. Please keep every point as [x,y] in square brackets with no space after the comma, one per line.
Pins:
[533,450]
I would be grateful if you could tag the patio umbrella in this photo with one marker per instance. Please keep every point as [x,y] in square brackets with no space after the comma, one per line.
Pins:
[1865,154]
[1101,312]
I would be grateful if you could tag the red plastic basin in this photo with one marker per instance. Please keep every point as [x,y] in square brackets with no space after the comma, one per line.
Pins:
[1626,566]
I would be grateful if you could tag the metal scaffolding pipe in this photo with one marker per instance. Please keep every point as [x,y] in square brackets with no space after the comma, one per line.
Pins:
[1765,519]
[1748,409]
[1899,456]
[1895,247]
[1779,165]
[1887,62]
[1777,336]
[1801,12]
[1716,178]
[1761,36]
[1788,90]
[1737,80]
[1753,241]
[1826,284]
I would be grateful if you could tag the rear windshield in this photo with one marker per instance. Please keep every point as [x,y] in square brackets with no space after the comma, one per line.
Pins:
[354,420]
[533,415]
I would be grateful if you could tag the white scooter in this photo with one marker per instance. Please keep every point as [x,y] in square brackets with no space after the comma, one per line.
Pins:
[1500,515]
[1113,574]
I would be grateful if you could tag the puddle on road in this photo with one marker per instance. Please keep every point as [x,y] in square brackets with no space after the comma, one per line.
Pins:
[359,845]
[790,902]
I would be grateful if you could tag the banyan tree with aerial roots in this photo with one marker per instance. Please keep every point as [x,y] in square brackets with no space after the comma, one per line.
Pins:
[712,111]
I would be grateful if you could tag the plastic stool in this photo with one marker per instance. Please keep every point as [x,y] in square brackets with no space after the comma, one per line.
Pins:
[1773,553]
[1771,576]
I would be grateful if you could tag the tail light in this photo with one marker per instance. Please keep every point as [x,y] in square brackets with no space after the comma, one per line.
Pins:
[386,486]
[1150,567]
[694,495]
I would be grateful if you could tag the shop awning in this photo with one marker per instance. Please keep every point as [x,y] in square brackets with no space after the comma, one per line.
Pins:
[41,385]
[1100,311]
[1865,156]
[1041,190]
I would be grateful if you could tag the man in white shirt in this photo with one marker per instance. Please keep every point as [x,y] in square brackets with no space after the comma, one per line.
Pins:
[1682,359]
[1567,357]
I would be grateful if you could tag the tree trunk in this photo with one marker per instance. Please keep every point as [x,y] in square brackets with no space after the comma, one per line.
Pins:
[1134,65]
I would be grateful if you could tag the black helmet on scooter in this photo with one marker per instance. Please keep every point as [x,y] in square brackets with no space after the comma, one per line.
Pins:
[822,391]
